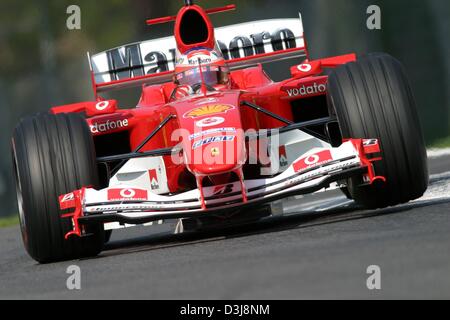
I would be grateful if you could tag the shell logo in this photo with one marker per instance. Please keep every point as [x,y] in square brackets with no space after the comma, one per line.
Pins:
[208,110]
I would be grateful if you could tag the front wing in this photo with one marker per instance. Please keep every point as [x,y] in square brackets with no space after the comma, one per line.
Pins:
[311,172]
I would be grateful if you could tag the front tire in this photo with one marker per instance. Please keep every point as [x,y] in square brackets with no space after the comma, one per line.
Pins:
[53,155]
[372,99]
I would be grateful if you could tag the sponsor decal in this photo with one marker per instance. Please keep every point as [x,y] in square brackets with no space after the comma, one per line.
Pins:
[305,67]
[371,146]
[109,125]
[215,152]
[313,160]
[283,157]
[204,59]
[141,58]
[219,190]
[67,197]
[153,179]
[210,131]
[67,201]
[125,207]
[205,56]
[102,105]
[307,90]
[370,142]
[127,194]
[209,122]
[208,110]
[209,140]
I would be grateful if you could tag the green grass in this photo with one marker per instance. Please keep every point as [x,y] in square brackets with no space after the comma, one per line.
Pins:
[9,221]
[441,143]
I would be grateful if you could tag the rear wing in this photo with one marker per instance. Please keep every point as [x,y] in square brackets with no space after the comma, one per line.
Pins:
[153,61]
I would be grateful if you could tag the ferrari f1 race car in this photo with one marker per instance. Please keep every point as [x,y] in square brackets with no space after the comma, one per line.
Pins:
[213,137]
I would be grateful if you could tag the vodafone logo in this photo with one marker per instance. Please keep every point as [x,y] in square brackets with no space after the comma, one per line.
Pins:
[109,125]
[313,160]
[127,194]
[209,122]
[102,105]
[305,67]
[307,90]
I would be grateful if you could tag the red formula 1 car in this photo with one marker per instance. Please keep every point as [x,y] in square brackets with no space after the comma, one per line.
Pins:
[213,137]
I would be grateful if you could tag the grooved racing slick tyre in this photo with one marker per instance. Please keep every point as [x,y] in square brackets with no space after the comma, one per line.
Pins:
[372,99]
[53,155]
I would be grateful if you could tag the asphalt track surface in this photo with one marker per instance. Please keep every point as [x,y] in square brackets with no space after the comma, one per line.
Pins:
[321,248]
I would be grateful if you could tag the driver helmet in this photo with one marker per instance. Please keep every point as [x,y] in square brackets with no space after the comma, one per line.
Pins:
[214,71]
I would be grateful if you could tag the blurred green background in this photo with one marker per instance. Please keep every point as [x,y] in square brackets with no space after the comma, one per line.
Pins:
[43,64]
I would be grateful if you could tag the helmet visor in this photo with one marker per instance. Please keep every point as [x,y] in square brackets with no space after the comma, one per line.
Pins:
[212,75]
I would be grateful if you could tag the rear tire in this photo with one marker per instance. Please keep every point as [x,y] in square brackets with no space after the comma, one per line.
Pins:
[372,99]
[53,155]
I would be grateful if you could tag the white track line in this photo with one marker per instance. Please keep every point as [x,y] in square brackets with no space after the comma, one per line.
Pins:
[436,153]
[440,176]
